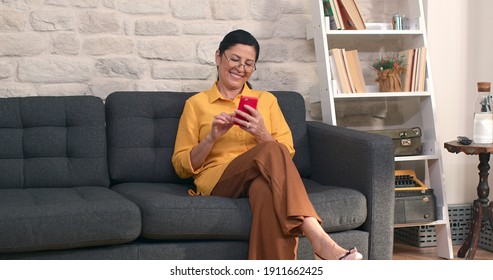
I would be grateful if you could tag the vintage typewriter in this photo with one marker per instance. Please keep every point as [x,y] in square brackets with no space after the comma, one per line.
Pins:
[414,202]
[406,180]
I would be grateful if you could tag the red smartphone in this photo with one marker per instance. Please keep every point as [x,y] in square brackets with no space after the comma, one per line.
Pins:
[246,100]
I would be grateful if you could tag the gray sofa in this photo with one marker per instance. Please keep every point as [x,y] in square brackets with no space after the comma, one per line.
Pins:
[83,179]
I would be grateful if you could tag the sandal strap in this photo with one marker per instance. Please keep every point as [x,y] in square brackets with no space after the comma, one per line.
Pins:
[349,252]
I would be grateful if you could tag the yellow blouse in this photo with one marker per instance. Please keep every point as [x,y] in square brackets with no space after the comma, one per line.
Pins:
[196,122]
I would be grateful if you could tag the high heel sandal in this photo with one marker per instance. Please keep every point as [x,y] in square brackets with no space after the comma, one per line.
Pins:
[351,254]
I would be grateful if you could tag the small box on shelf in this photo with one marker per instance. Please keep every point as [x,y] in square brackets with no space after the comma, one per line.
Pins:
[410,23]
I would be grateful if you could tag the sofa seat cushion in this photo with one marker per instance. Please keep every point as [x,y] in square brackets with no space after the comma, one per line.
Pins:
[168,212]
[339,208]
[63,218]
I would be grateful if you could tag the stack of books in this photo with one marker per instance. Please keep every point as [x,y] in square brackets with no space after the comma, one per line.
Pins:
[348,74]
[414,76]
[347,71]
[347,15]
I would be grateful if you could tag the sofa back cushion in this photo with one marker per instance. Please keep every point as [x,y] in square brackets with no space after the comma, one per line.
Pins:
[141,130]
[52,142]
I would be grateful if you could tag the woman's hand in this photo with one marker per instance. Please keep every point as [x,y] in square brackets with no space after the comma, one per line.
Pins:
[254,124]
[221,124]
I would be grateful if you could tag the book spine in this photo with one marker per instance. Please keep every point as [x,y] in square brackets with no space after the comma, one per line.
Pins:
[422,70]
[348,73]
[341,70]
[337,14]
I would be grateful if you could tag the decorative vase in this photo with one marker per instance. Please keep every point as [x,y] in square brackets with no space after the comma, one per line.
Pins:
[389,80]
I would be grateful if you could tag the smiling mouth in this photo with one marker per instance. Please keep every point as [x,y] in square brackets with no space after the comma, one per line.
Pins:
[235,75]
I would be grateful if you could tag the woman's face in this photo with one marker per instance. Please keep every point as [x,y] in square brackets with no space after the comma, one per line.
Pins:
[235,66]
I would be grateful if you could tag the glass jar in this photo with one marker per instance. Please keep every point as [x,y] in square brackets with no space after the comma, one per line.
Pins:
[483,116]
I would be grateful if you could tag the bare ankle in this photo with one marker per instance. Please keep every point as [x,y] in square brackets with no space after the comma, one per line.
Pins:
[328,249]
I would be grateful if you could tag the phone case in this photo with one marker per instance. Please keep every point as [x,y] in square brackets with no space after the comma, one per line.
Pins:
[247,100]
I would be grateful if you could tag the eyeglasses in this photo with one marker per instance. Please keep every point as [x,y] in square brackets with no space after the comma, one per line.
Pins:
[249,65]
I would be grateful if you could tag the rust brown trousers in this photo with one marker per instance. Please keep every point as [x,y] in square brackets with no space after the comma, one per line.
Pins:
[266,174]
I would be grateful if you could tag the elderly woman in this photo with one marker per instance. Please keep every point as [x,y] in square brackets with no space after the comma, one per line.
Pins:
[232,153]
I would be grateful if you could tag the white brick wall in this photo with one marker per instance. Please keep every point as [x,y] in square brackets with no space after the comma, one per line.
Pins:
[95,47]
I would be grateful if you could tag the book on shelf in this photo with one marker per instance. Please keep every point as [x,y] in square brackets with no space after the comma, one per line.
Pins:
[350,77]
[422,69]
[414,76]
[419,69]
[334,75]
[350,15]
[408,58]
[339,71]
[346,70]
[327,8]
[336,11]
[355,71]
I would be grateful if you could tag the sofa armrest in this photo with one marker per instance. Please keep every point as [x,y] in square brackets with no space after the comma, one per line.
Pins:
[364,162]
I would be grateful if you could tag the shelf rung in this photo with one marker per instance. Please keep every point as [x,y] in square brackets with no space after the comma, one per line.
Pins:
[437,222]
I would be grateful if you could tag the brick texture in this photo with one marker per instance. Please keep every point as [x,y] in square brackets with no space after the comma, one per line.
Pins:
[95,47]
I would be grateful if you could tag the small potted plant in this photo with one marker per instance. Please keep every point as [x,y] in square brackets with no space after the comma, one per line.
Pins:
[389,70]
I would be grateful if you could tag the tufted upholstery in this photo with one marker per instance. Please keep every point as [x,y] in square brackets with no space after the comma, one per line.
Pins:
[142,130]
[52,142]
[64,218]
[54,179]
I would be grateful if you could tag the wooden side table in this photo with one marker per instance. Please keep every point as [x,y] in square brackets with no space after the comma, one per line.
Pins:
[481,210]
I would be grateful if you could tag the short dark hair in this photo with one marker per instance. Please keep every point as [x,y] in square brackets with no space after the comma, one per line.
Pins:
[239,36]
